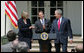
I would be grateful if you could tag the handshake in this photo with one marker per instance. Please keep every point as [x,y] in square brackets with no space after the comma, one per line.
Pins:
[31,27]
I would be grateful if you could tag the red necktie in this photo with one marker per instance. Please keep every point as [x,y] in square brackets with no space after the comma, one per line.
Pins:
[59,24]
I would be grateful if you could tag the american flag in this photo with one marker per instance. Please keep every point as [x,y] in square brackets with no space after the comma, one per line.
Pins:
[11,11]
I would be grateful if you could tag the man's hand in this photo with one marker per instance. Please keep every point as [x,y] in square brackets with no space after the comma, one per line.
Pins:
[31,27]
[71,41]
[28,50]
[43,26]
[31,40]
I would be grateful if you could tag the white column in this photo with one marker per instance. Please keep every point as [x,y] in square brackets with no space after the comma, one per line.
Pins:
[47,9]
[82,19]
[8,23]
[2,18]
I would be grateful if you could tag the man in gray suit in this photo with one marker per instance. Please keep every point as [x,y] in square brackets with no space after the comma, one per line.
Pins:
[14,45]
[62,27]
[11,35]
[43,25]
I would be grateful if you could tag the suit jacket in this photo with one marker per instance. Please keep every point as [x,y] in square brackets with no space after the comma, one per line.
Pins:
[64,32]
[24,30]
[7,47]
[39,27]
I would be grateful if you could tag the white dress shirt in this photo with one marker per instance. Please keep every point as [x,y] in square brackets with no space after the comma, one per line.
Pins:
[60,20]
[42,21]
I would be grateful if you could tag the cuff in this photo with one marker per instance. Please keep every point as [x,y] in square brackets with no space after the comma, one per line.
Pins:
[71,38]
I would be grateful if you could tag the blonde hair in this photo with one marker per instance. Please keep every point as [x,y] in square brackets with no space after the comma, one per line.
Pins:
[24,15]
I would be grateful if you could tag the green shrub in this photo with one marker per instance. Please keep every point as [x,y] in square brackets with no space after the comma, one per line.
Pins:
[4,40]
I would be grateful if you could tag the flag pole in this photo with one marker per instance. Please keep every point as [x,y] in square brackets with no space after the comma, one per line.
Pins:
[5,24]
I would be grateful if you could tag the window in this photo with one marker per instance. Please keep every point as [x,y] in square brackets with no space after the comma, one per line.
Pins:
[36,6]
[53,6]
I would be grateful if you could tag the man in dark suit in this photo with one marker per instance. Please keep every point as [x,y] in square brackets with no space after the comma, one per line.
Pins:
[43,25]
[61,26]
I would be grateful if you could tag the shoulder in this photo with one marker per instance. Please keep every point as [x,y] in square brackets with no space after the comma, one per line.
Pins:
[37,21]
[47,20]
[22,44]
[28,20]
[54,21]
[20,19]
[7,45]
[66,19]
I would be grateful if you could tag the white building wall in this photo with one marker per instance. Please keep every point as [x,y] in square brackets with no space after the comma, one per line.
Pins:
[21,5]
[74,14]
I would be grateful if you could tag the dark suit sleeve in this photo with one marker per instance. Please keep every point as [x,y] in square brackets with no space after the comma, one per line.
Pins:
[29,22]
[30,29]
[37,29]
[52,28]
[69,29]
[21,28]
[48,25]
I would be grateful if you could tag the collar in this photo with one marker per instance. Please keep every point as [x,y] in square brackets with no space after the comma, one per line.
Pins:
[60,19]
[41,19]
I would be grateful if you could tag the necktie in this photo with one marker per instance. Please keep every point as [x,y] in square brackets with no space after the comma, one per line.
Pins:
[59,24]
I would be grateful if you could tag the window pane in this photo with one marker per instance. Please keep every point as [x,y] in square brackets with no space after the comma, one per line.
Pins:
[34,3]
[41,3]
[60,3]
[34,11]
[53,3]
[41,9]
[34,19]
[52,18]
[52,11]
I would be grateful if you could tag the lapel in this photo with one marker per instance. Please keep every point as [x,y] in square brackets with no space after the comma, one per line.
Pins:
[62,21]
[22,21]
[45,21]
[56,24]
[39,23]
[26,21]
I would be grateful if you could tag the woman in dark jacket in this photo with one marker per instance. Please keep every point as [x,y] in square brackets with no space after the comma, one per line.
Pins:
[25,29]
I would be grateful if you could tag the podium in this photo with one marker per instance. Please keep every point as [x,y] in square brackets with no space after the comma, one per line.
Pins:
[48,36]
[51,36]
